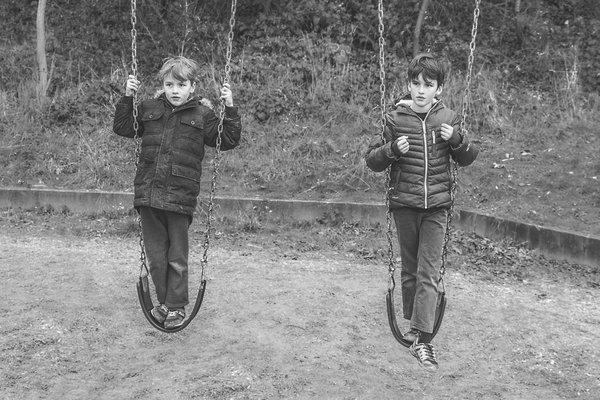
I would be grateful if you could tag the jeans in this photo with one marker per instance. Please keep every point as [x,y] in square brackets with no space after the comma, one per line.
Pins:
[421,237]
[165,235]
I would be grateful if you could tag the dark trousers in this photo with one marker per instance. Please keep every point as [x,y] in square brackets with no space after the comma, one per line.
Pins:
[421,237]
[165,236]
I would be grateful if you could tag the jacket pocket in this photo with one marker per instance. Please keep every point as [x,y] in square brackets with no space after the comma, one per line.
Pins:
[192,125]
[151,119]
[151,115]
[186,172]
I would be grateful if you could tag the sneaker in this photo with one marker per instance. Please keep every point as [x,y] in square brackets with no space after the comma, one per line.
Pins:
[425,354]
[159,313]
[411,335]
[174,318]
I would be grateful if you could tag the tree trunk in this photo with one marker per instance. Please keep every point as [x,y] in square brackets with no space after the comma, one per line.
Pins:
[420,19]
[41,51]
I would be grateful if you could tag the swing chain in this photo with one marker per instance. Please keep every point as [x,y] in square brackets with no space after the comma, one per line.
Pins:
[454,168]
[217,157]
[134,69]
[476,12]
[134,66]
[382,89]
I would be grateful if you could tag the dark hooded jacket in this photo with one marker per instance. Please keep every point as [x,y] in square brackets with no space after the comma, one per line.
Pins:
[173,139]
[421,177]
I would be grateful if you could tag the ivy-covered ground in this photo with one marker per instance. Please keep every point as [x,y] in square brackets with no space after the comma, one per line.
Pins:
[290,312]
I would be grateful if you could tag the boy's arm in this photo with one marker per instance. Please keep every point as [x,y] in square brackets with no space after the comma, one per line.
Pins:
[232,129]
[380,154]
[461,149]
[123,120]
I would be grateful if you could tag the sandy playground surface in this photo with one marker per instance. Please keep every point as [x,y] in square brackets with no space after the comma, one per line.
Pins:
[284,317]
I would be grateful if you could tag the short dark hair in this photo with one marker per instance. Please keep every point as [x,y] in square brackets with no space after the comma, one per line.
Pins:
[430,66]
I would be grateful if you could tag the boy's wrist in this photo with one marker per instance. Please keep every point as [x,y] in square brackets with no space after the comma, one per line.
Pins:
[395,148]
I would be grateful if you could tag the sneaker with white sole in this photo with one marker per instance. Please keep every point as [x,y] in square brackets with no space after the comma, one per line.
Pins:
[425,354]
[159,313]
[175,318]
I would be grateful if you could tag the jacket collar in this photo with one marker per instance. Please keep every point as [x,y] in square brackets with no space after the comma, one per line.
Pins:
[403,106]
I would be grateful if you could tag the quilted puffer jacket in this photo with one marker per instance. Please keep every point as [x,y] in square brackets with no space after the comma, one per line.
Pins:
[173,140]
[421,177]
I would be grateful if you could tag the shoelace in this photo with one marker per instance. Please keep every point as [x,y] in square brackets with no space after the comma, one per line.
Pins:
[425,352]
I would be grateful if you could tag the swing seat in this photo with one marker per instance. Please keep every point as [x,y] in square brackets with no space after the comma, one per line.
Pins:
[144,294]
[391,312]
[143,290]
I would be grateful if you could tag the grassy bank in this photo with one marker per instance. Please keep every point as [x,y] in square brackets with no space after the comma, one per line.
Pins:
[538,160]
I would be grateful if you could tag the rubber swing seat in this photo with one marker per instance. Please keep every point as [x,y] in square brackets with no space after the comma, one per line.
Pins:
[391,312]
[143,290]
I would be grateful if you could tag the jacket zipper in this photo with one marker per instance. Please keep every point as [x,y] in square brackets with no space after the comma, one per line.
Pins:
[426,161]
[426,154]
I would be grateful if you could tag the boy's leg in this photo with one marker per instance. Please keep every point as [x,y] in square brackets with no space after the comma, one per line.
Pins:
[407,226]
[156,242]
[433,227]
[177,257]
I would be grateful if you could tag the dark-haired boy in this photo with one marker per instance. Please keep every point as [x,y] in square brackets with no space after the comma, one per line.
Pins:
[420,136]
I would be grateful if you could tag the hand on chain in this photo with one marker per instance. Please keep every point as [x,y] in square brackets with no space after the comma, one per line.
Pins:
[446,132]
[131,86]
[402,144]
[226,95]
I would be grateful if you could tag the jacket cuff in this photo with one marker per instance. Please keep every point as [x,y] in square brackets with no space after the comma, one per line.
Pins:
[231,112]
[456,140]
[127,101]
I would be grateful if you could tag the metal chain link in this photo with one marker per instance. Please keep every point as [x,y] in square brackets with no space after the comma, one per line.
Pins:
[476,12]
[134,66]
[382,89]
[217,158]
[454,168]
[136,127]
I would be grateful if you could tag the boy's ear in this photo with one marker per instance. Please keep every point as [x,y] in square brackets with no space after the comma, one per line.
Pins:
[193,86]
[439,90]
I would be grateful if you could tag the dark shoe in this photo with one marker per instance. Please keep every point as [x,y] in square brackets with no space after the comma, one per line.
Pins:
[174,318]
[411,335]
[425,354]
[159,313]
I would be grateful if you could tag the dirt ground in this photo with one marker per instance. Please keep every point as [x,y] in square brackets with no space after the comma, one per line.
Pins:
[289,313]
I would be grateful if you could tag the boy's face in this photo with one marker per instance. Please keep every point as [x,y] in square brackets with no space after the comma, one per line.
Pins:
[423,92]
[178,92]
